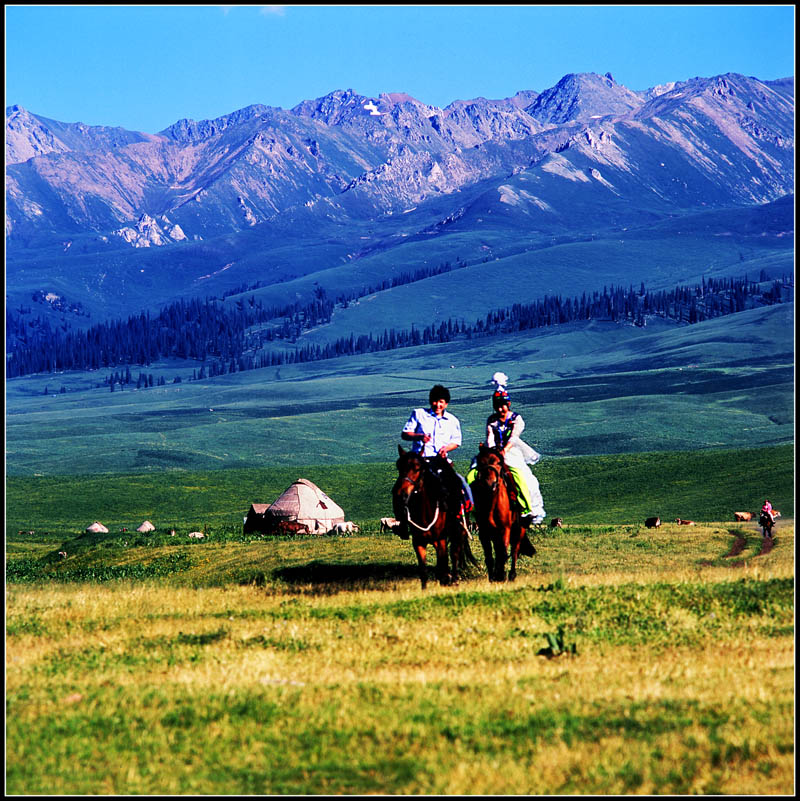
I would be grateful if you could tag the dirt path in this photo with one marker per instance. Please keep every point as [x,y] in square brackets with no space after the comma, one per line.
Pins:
[767,544]
[737,547]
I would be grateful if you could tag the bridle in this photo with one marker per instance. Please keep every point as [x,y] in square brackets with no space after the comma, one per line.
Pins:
[415,490]
[485,468]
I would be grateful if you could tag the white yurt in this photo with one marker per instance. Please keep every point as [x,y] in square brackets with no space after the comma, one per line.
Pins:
[96,528]
[304,502]
[146,527]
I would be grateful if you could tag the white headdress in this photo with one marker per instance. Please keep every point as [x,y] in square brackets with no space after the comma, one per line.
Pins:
[500,381]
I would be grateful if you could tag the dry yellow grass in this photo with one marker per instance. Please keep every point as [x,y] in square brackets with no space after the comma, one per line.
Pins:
[149,688]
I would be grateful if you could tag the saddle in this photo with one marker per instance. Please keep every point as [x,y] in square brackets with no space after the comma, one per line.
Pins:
[452,489]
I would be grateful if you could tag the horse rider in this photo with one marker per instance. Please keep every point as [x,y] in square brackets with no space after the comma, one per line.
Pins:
[503,430]
[767,509]
[434,433]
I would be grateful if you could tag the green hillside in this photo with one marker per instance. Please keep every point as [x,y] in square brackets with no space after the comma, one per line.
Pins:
[498,276]
[583,389]
[621,489]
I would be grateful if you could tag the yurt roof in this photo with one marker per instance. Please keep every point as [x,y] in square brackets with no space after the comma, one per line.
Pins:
[304,499]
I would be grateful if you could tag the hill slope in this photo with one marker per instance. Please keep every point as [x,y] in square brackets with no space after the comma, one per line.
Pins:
[583,389]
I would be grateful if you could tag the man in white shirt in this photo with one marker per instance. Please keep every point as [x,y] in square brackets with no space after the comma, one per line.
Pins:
[434,433]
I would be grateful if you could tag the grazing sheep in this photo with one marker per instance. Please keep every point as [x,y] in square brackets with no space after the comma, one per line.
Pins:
[653,522]
[197,535]
[742,517]
[556,522]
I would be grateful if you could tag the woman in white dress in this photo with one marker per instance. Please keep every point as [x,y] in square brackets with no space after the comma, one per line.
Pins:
[503,430]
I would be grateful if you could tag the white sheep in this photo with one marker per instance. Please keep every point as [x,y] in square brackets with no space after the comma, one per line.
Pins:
[348,527]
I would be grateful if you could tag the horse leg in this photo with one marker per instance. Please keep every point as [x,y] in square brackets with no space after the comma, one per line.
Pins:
[421,550]
[441,561]
[486,544]
[456,550]
[514,537]
[500,556]
[512,574]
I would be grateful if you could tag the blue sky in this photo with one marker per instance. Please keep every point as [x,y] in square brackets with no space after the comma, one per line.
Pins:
[145,67]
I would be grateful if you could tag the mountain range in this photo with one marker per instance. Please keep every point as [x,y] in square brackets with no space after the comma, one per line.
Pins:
[348,189]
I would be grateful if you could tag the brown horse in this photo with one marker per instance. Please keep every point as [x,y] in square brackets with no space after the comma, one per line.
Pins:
[498,516]
[420,505]
[767,523]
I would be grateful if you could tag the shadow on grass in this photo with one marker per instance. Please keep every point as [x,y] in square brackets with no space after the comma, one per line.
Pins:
[346,575]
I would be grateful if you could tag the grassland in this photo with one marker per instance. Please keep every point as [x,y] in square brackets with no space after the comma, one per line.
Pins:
[618,489]
[623,660]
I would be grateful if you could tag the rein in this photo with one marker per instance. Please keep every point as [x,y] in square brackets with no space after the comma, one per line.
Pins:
[407,480]
[487,468]
[420,528]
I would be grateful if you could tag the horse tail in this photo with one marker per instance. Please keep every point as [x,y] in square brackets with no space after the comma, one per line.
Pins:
[467,551]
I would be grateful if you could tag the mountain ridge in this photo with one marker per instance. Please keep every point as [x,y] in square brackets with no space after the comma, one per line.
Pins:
[230,199]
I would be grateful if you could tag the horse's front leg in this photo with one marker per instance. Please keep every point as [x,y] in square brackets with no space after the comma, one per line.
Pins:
[502,542]
[442,573]
[456,552]
[486,544]
[500,557]
[421,550]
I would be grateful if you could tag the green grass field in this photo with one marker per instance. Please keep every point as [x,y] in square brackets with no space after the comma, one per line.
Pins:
[615,489]
[623,660]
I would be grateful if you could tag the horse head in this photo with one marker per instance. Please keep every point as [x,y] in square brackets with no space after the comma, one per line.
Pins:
[489,466]
[410,468]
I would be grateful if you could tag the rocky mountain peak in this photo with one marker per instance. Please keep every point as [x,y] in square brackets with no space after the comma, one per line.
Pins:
[356,157]
[583,96]
[27,137]
[186,131]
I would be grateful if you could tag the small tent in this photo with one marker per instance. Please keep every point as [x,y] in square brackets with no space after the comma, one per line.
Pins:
[96,528]
[304,502]
[146,527]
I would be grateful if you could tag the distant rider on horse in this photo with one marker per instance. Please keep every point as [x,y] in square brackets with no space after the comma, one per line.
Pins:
[434,433]
[503,430]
